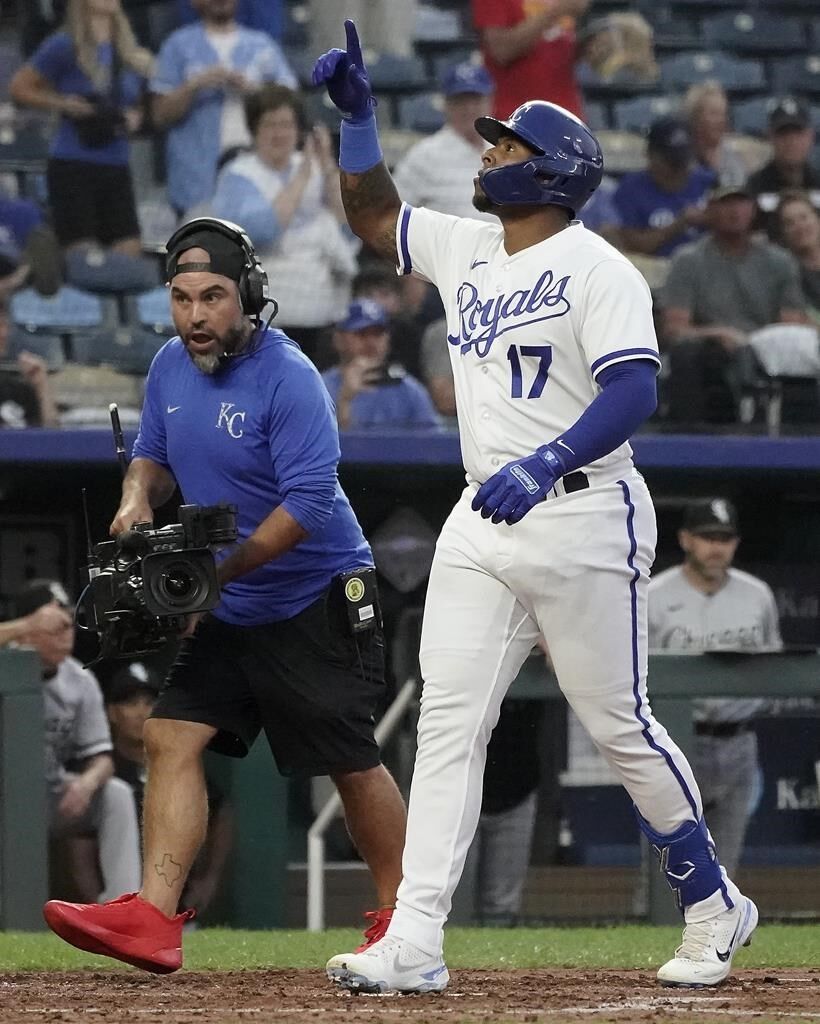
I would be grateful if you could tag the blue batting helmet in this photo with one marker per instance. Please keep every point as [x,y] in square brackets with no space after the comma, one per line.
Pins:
[565,169]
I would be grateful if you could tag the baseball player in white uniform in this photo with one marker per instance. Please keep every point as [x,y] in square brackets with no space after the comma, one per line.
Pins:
[554,358]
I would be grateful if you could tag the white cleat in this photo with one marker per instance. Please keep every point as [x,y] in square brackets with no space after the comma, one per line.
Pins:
[705,955]
[389,965]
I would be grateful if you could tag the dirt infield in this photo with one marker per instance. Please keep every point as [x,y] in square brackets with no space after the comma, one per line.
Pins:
[473,996]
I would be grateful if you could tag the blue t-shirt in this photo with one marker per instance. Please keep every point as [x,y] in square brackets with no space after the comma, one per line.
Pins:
[18,218]
[641,204]
[406,404]
[261,433]
[56,60]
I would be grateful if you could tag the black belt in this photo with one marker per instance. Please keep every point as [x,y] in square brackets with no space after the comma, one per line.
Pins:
[721,729]
[576,481]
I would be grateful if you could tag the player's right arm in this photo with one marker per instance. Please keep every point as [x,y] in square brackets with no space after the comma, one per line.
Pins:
[146,486]
[370,198]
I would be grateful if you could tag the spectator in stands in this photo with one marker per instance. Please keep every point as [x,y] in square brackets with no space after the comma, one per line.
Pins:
[719,289]
[792,137]
[437,370]
[130,696]
[204,73]
[391,292]
[390,24]
[291,202]
[706,605]
[438,171]
[91,73]
[600,213]
[263,15]
[83,796]
[707,113]
[798,222]
[662,207]
[29,252]
[530,50]
[369,392]
[26,396]
[47,619]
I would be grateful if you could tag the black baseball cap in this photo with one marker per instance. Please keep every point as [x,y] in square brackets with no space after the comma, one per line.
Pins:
[225,256]
[37,592]
[712,517]
[670,137]
[131,679]
[789,112]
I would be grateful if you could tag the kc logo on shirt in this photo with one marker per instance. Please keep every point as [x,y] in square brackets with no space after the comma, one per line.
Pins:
[231,421]
[484,320]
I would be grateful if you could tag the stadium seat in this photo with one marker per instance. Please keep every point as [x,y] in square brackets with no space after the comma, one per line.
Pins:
[152,310]
[750,117]
[295,25]
[47,346]
[67,310]
[758,32]
[674,30]
[636,115]
[596,116]
[24,144]
[127,349]
[623,151]
[437,26]
[621,86]
[320,108]
[801,75]
[422,113]
[734,74]
[391,73]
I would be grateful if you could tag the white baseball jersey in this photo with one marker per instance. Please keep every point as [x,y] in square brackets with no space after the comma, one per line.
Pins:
[527,333]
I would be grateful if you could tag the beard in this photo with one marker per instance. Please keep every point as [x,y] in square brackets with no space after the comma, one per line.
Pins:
[232,341]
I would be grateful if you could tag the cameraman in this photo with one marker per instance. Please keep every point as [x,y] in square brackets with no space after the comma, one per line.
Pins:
[92,73]
[236,413]
[368,390]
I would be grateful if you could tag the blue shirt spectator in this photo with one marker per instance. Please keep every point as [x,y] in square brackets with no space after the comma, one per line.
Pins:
[56,61]
[662,208]
[203,73]
[367,390]
[264,15]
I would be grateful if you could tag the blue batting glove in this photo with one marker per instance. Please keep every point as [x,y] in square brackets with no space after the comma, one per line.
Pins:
[345,76]
[509,494]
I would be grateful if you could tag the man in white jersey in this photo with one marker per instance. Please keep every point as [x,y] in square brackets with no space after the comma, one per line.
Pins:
[554,359]
[706,605]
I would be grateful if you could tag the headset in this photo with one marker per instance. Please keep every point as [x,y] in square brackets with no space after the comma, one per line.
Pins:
[253,281]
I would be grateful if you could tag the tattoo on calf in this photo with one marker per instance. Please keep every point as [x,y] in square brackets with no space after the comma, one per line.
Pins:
[169,869]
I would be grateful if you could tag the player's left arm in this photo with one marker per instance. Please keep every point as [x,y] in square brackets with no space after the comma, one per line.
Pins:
[371,201]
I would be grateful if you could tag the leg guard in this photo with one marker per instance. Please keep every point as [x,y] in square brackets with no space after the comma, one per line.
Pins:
[689,861]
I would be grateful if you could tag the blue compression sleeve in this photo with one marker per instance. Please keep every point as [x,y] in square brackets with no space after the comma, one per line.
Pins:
[359,147]
[629,396]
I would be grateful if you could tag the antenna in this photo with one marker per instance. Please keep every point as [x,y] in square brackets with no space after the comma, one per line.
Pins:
[88,540]
[119,441]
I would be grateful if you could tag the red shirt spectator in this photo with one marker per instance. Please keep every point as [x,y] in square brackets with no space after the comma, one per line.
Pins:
[530,50]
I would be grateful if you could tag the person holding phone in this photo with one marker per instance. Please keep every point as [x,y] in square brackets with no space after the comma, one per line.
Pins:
[286,189]
[369,391]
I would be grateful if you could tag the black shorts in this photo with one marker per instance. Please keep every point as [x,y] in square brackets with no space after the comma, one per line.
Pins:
[305,681]
[91,201]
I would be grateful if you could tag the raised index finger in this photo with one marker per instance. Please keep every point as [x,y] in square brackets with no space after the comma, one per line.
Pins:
[354,48]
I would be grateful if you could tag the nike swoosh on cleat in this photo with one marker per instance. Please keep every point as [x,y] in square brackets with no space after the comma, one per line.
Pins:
[723,957]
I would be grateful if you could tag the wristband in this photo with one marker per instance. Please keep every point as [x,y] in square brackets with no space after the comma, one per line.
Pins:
[359,147]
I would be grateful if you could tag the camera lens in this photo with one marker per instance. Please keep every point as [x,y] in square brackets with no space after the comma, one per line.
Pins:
[178,583]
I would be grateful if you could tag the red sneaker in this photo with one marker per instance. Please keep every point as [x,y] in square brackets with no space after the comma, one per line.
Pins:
[376,930]
[127,928]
